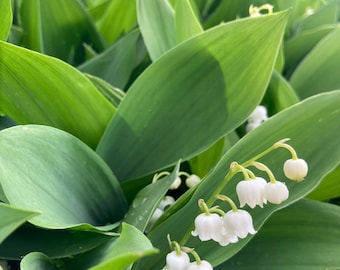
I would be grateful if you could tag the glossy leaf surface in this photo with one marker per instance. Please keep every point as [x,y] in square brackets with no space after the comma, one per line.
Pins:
[6,19]
[115,64]
[318,115]
[302,236]
[11,218]
[316,73]
[45,22]
[38,89]
[157,24]
[171,107]
[70,184]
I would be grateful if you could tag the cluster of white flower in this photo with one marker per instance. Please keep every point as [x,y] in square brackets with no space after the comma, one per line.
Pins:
[225,228]
[191,180]
[179,259]
[257,117]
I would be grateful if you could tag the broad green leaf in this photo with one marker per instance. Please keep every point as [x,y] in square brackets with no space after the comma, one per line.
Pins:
[187,24]
[113,94]
[321,16]
[296,48]
[5,19]
[115,64]
[202,164]
[131,246]
[302,236]
[119,18]
[316,143]
[58,28]
[48,170]
[279,94]
[11,218]
[147,200]
[157,24]
[164,116]
[329,188]
[39,261]
[53,243]
[39,89]
[317,72]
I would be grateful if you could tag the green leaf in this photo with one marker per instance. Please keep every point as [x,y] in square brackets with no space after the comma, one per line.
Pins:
[322,16]
[113,94]
[11,218]
[329,188]
[205,161]
[187,24]
[296,48]
[6,18]
[147,200]
[315,73]
[58,28]
[157,24]
[118,19]
[39,261]
[131,246]
[66,181]
[116,63]
[164,116]
[319,117]
[57,94]
[54,243]
[279,94]
[302,236]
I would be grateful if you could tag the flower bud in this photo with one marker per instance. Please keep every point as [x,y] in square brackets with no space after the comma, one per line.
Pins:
[176,183]
[176,261]
[203,265]
[192,180]
[295,169]
[276,192]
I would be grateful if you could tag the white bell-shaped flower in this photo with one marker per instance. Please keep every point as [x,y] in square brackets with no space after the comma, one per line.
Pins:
[176,183]
[228,238]
[155,216]
[166,202]
[259,115]
[295,169]
[276,192]
[208,226]
[192,180]
[238,223]
[176,261]
[251,192]
[202,265]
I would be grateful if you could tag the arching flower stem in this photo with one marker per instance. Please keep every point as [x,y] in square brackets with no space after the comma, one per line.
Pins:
[265,169]
[228,200]
[158,176]
[288,147]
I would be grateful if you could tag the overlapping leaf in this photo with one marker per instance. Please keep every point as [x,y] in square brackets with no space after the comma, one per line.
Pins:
[319,117]
[35,88]
[217,77]
[45,169]
[5,18]
[302,236]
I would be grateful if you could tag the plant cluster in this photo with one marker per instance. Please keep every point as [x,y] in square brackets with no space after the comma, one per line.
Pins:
[125,123]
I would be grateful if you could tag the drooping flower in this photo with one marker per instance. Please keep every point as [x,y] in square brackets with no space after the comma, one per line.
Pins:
[276,192]
[177,261]
[202,265]
[208,226]
[166,202]
[238,223]
[295,169]
[251,192]
[192,180]
[228,238]
[176,183]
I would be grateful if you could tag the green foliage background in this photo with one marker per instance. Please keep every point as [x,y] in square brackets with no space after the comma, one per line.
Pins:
[96,96]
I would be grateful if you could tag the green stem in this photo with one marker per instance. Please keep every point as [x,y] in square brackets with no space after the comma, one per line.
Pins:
[157,176]
[289,148]
[203,206]
[228,200]
[264,168]
[183,173]
[196,256]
